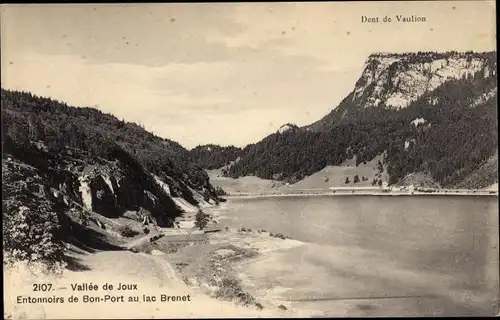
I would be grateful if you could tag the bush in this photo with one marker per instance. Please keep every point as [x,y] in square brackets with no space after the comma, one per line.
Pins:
[220,192]
[206,195]
[126,231]
[230,290]
[201,220]
[146,230]
[32,235]
[356,179]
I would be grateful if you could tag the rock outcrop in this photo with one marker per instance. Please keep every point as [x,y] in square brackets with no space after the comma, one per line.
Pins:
[395,80]
[287,127]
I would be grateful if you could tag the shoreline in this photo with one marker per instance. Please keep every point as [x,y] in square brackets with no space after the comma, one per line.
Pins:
[361,193]
[200,268]
[341,258]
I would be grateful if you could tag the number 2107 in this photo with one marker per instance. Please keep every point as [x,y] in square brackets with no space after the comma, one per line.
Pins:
[42,287]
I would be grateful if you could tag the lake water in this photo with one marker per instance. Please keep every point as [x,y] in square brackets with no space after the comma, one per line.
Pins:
[377,255]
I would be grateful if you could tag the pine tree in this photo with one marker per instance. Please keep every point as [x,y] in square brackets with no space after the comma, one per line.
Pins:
[356,179]
[380,167]
[201,220]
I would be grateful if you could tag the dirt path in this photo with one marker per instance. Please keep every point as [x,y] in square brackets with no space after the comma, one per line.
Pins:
[139,241]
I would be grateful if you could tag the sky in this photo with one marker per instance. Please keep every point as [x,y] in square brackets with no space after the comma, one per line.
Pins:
[226,73]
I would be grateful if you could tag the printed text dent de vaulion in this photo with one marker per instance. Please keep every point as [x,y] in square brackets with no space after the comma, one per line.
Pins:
[396,18]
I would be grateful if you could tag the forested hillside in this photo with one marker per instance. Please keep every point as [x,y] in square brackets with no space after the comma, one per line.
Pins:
[66,169]
[29,118]
[448,131]
[212,156]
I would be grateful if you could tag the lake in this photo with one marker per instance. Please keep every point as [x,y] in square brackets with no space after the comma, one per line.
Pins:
[376,255]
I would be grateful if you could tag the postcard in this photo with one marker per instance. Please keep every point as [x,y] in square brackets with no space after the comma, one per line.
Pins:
[288,159]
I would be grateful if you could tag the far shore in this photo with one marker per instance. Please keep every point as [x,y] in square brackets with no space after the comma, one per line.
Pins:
[361,192]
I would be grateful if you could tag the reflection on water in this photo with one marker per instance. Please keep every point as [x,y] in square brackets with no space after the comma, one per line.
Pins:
[434,255]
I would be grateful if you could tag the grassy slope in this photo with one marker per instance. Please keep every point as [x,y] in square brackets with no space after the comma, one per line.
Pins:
[336,178]
[248,184]
[484,176]
[337,175]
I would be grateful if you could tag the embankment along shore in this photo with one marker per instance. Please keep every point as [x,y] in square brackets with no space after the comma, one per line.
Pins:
[353,192]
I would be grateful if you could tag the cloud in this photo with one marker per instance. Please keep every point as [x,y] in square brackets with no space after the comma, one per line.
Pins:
[213,99]
[152,35]
[219,73]
[333,34]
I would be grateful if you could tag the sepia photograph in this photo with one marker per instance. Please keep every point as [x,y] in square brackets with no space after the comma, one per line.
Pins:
[267,159]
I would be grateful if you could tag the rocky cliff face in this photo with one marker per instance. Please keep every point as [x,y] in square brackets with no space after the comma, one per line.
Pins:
[108,188]
[394,81]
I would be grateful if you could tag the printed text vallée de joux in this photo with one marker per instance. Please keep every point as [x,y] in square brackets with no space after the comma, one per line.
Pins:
[97,297]
[397,18]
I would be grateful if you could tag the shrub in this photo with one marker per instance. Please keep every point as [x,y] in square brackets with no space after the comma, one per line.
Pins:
[220,192]
[126,231]
[356,179]
[230,290]
[201,220]
[206,196]
[156,237]
[145,230]
[32,235]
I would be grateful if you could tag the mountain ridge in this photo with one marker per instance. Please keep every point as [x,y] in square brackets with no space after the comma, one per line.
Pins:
[409,133]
